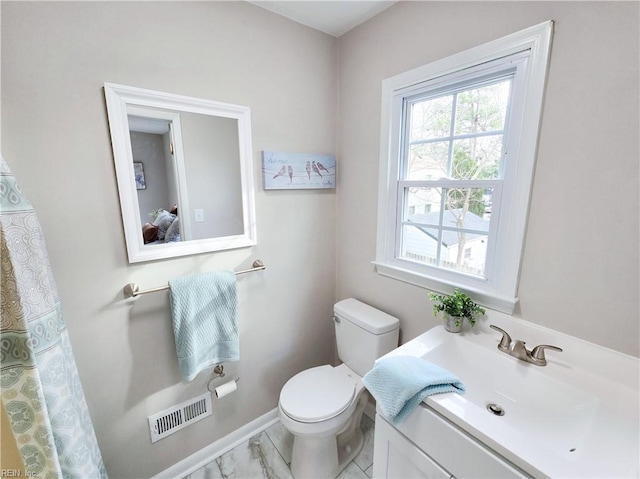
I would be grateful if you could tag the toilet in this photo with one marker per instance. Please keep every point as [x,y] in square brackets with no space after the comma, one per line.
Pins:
[322,406]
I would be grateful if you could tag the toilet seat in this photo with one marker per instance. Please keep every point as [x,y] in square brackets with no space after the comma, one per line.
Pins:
[317,394]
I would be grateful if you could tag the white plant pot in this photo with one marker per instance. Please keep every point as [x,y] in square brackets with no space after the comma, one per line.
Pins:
[453,324]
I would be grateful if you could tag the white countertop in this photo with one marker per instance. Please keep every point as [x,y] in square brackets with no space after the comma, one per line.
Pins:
[576,417]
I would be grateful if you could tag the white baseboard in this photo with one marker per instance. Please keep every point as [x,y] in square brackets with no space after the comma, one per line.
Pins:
[207,454]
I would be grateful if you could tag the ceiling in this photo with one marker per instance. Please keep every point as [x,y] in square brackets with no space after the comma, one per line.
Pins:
[332,17]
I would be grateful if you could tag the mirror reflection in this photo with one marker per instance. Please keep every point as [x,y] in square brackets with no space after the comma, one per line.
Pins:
[184,172]
[205,150]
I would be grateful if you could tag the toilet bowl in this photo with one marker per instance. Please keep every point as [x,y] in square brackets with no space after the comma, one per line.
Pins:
[322,406]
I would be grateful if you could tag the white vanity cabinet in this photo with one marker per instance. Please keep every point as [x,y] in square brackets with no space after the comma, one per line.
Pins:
[560,420]
[398,458]
[425,445]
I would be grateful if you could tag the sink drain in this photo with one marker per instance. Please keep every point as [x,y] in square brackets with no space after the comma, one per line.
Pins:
[495,409]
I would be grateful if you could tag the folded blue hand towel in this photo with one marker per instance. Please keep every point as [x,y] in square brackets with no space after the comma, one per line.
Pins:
[400,383]
[204,308]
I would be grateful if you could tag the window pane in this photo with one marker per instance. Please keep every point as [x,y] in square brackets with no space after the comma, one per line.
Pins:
[464,252]
[477,158]
[431,118]
[428,161]
[419,244]
[482,109]
[424,205]
[464,209]
[467,208]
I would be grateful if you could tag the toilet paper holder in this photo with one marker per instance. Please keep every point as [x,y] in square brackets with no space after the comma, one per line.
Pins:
[213,379]
[219,371]
[224,388]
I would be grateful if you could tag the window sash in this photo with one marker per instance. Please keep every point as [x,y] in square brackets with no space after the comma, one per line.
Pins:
[401,221]
[492,74]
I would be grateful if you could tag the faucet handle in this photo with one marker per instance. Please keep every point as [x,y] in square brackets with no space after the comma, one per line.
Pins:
[505,342]
[537,353]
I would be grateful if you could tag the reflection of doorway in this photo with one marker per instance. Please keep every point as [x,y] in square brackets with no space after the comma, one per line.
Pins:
[156,143]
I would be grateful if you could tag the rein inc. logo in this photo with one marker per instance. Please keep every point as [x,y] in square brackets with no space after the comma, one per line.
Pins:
[16,473]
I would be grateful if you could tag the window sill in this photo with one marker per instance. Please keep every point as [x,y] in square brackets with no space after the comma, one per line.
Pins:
[482,296]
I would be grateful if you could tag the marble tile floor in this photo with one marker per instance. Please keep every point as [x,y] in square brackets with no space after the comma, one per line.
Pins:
[267,455]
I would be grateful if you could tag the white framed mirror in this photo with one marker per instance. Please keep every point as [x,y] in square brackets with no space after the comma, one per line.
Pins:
[184,171]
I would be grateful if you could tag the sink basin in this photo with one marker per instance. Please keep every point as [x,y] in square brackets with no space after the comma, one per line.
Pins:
[571,418]
[531,401]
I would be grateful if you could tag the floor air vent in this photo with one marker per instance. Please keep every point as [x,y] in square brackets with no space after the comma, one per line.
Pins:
[180,416]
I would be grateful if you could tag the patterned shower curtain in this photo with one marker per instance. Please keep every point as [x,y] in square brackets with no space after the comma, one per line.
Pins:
[39,383]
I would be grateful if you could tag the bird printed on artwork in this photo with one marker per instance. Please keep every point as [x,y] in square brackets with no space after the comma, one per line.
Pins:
[308,168]
[315,168]
[290,171]
[280,173]
[322,167]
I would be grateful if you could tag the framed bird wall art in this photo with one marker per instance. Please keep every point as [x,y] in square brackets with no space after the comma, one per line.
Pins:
[294,171]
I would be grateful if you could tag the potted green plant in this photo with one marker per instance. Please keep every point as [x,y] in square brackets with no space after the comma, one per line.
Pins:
[455,308]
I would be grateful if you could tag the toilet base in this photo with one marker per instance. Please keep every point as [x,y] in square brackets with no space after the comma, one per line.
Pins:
[314,457]
[325,457]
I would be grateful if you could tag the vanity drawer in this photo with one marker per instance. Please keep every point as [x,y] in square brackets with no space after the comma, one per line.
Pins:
[452,448]
[395,457]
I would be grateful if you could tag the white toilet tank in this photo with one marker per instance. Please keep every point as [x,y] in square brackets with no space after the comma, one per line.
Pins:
[363,334]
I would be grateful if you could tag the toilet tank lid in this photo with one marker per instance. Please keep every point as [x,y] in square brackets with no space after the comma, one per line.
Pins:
[365,316]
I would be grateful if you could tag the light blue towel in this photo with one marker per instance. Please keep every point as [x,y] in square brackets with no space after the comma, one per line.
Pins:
[204,308]
[400,383]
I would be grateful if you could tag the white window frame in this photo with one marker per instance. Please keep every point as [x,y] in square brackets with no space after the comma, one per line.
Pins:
[530,49]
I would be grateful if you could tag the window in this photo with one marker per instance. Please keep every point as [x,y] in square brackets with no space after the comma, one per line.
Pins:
[450,163]
[458,150]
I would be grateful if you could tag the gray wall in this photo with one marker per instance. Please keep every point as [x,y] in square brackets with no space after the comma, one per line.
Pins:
[580,267]
[212,160]
[55,58]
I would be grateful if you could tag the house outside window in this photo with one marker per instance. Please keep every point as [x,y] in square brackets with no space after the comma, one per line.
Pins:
[458,150]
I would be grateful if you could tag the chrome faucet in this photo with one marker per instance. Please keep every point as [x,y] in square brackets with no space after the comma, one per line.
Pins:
[517,349]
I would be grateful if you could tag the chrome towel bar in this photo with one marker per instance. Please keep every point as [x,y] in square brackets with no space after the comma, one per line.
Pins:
[132,290]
